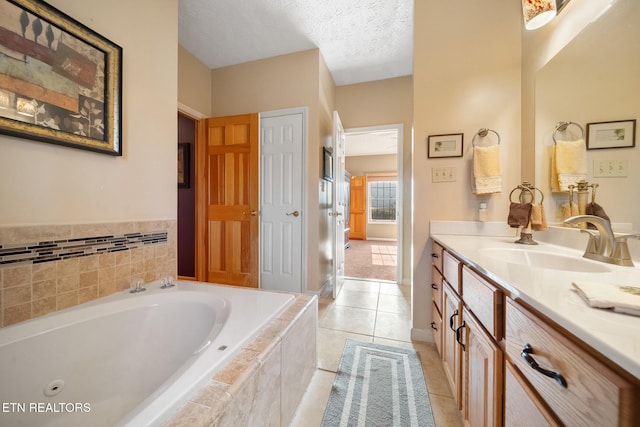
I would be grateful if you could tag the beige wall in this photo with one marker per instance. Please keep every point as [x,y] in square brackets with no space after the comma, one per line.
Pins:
[385,102]
[466,77]
[288,81]
[48,184]
[194,84]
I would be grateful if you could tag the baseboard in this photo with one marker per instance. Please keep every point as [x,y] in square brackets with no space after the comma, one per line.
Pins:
[422,335]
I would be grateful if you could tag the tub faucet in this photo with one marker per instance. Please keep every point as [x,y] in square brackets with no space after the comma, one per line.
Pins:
[137,287]
[603,244]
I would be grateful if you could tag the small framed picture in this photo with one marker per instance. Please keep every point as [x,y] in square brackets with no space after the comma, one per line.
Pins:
[183,165]
[327,164]
[449,145]
[617,134]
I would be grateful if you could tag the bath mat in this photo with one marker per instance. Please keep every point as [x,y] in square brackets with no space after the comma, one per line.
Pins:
[378,385]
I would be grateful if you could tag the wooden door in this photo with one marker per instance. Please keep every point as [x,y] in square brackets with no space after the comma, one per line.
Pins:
[451,350]
[358,208]
[231,199]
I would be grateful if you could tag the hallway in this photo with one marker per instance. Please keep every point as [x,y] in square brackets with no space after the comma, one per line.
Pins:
[378,312]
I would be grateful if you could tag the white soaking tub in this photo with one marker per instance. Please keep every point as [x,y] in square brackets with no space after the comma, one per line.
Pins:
[127,359]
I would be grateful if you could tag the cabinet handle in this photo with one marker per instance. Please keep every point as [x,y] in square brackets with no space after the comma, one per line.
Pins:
[455,313]
[433,286]
[434,255]
[458,329]
[526,353]
[433,326]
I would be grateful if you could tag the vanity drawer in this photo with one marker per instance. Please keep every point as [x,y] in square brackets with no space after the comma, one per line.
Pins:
[484,300]
[451,271]
[436,288]
[594,396]
[436,256]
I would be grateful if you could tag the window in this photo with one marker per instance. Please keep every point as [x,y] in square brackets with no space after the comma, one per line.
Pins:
[382,199]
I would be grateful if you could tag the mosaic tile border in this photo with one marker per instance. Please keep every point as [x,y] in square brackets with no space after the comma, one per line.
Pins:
[58,250]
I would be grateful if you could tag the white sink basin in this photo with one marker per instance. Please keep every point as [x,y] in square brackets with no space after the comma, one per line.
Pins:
[545,260]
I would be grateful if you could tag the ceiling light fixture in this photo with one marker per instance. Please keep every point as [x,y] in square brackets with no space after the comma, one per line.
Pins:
[5,99]
[538,13]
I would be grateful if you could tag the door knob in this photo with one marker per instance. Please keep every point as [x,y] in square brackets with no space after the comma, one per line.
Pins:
[294,213]
[254,213]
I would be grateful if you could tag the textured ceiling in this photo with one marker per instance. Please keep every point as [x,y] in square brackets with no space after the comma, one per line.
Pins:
[360,40]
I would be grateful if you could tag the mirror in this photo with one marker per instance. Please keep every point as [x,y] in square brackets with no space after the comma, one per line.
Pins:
[594,78]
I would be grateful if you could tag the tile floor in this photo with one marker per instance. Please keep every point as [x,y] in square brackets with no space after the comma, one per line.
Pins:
[376,312]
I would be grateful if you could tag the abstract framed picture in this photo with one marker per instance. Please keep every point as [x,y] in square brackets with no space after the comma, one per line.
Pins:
[183,165]
[449,145]
[327,164]
[616,134]
[60,82]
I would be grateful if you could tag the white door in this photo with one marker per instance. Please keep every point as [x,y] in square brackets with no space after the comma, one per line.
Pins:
[281,196]
[338,203]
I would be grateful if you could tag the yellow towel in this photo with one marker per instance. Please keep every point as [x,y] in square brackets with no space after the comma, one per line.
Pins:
[486,169]
[568,164]
[568,210]
[538,219]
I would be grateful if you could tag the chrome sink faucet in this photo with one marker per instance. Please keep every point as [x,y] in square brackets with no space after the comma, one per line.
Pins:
[603,244]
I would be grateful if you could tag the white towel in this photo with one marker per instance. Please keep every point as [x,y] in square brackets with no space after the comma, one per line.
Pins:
[568,164]
[619,298]
[486,169]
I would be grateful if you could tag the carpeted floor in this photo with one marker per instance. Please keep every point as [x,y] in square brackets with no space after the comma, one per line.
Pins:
[371,259]
[378,385]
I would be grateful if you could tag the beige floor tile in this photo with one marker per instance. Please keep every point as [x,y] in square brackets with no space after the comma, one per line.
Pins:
[394,304]
[392,288]
[445,411]
[358,299]
[349,319]
[435,377]
[311,408]
[393,326]
[361,285]
[330,347]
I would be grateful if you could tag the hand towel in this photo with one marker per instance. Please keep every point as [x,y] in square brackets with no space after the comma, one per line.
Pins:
[538,219]
[519,214]
[570,162]
[622,299]
[568,210]
[486,169]
[595,209]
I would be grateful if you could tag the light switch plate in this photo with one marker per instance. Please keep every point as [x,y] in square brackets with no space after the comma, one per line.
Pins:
[443,174]
[610,168]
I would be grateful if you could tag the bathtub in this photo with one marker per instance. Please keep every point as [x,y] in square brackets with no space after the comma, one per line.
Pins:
[126,359]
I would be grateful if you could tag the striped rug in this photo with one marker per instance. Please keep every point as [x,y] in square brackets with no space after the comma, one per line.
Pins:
[378,386]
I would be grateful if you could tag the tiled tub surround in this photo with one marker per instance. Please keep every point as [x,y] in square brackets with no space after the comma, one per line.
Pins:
[94,260]
[264,383]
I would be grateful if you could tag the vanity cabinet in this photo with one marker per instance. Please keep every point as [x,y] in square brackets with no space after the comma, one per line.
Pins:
[451,349]
[578,388]
[436,294]
[482,361]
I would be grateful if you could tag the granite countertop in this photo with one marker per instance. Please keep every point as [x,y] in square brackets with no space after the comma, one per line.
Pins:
[550,292]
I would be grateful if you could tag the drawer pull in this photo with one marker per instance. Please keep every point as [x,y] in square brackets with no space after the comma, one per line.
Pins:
[526,353]
[455,313]
[433,286]
[434,255]
[458,329]
[433,326]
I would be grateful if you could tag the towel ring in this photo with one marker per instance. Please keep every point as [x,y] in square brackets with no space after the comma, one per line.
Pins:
[562,126]
[529,189]
[482,133]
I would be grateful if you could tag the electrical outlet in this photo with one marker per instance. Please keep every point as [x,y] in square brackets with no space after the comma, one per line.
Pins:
[443,174]
[610,168]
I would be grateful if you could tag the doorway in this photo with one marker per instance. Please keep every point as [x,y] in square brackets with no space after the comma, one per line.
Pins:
[374,162]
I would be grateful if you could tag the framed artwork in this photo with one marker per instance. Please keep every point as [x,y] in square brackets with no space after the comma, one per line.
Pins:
[184,170]
[617,134]
[60,82]
[327,164]
[449,145]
